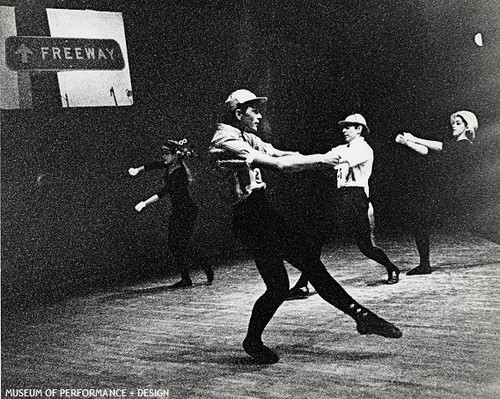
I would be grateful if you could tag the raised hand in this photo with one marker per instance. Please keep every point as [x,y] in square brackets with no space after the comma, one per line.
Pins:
[134,171]
[408,137]
[140,206]
[400,139]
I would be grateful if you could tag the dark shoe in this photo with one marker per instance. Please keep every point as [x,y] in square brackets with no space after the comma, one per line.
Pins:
[393,276]
[182,283]
[420,269]
[260,352]
[210,274]
[369,323]
[297,293]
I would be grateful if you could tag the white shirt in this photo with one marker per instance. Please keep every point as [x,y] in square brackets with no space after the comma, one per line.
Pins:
[356,164]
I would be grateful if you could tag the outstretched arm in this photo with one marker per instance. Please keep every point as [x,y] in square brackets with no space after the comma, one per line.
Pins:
[421,149]
[148,166]
[294,163]
[135,171]
[280,153]
[141,205]
[430,144]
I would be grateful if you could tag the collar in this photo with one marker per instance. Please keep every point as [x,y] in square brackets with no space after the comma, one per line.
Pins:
[358,139]
[229,130]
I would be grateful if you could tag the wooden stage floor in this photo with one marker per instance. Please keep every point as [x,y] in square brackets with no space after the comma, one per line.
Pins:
[188,342]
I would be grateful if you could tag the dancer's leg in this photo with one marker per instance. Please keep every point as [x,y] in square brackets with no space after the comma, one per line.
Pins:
[300,255]
[181,226]
[355,219]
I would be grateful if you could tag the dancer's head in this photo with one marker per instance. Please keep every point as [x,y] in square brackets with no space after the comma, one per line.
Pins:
[464,125]
[353,126]
[243,110]
[174,151]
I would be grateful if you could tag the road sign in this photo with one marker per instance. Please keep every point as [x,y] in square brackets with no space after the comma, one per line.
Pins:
[38,53]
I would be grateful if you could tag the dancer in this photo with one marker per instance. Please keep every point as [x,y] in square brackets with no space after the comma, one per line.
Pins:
[241,153]
[356,215]
[184,211]
[458,161]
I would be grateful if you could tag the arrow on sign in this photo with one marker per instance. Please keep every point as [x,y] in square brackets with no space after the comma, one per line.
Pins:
[24,51]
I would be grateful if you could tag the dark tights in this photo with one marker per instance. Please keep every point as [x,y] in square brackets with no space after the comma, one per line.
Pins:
[180,230]
[420,230]
[270,241]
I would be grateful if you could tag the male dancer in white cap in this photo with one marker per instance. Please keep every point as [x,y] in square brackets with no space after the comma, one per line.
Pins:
[241,153]
[353,173]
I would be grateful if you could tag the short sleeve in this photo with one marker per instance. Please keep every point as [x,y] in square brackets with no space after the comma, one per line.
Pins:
[358,155]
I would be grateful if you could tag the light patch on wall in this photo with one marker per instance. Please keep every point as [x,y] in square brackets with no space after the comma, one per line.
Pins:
[92,88]
[9,89]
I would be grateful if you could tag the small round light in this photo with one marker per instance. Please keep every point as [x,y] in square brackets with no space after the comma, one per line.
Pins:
[479,39]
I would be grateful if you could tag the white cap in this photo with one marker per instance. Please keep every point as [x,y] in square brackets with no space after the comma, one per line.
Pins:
[242,96]
[355,119]
[469,118]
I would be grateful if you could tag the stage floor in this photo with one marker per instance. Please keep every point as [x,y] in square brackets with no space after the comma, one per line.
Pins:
[187,343]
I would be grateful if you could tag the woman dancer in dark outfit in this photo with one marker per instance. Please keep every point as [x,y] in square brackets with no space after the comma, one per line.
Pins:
[458,162]
[184,210]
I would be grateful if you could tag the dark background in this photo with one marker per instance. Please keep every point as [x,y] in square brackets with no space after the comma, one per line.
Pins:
[67,202]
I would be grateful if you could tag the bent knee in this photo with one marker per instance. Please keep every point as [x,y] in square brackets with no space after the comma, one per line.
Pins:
[277,294]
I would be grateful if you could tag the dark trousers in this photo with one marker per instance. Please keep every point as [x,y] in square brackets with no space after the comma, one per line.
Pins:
[270,241]
[354,222]
[180,230]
